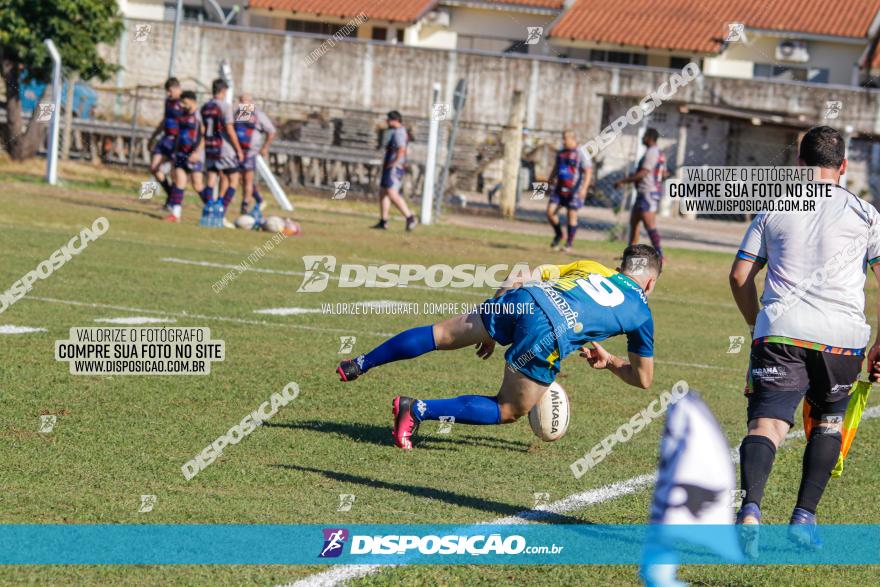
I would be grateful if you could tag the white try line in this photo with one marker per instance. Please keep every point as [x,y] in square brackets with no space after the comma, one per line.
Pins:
[696,365]
[460,291]
[198,316]
[340,574]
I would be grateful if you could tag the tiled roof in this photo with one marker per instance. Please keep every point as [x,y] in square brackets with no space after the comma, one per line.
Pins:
[391,10]
[699,25]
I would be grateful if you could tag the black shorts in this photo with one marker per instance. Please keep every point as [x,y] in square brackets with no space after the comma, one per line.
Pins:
[780,375]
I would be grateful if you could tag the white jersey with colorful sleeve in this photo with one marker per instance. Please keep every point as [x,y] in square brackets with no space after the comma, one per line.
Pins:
[816,267]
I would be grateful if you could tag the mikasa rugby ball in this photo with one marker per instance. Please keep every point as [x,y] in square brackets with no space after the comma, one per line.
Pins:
[549,417]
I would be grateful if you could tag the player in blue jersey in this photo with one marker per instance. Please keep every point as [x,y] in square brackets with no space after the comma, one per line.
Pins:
[163,151]
[542,322]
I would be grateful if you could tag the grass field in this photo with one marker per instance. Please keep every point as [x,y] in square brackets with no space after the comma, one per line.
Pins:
[118,437]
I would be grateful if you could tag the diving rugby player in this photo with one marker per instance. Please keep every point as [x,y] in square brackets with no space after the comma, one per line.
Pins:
[551,318]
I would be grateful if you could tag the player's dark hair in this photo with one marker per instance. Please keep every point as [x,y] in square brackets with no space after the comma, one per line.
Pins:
[395,115]
[218,85]
[640,258]
[822,146]
[172,82]
[652,134]
[187,95]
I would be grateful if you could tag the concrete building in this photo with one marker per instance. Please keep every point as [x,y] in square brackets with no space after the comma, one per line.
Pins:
[820,41]
[485,25]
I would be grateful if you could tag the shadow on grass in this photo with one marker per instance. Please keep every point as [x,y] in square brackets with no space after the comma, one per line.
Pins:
[92,204]
[450,497]
[381,435]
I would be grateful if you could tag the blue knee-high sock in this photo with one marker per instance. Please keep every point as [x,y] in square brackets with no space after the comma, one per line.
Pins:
[409,344]
[257,197]
[480,410]
[228,197]
[207,194]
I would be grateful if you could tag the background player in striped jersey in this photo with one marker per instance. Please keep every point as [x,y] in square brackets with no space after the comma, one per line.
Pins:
[255,133]
[809,337]
[649,188]
[223,154]
[569,180]
[543,322]
[163,151]
[188,157]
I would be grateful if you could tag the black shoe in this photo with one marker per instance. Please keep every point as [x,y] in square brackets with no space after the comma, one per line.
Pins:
[348,370]
[381,225]
[411,223]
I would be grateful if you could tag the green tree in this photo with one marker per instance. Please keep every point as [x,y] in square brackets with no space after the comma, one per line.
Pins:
[77,27]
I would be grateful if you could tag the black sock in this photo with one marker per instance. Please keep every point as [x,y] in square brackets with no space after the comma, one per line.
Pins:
[756,456]
[166,185]
[571,231]
[557,229]
[820,457]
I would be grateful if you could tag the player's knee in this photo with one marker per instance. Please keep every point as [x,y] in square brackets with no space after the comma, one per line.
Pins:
[770,428]
[829,426]
[442,336]
[511,413]
[825,432]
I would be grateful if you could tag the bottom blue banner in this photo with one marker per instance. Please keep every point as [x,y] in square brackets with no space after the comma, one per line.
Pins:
[435,544]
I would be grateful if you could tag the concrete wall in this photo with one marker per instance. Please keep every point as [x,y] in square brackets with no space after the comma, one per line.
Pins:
[381,77]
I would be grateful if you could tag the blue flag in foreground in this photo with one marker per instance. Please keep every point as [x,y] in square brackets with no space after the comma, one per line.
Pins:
[695,485]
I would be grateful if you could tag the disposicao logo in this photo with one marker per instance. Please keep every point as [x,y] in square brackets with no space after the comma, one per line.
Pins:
[334,540]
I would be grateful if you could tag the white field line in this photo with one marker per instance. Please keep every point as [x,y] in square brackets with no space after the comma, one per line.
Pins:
[135,320]
[288,311]
[198,316]
[338,575]
[455,290]
[12,329]
[695,365]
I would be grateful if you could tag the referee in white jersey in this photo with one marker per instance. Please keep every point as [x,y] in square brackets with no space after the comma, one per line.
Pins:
[810,334]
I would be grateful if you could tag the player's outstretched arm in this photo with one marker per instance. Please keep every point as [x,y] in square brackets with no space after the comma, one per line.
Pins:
[638,372]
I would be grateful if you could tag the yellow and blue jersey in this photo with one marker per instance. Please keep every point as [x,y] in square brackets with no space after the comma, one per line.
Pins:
[588,302]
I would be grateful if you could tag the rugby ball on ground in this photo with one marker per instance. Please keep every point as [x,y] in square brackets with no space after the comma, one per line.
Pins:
[549,417]
[274,224]
[291,228]
[245,222]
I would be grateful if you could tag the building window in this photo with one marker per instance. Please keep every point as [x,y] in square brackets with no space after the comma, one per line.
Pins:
[678,62]
[400,35]
[316,28]
[791,72]
[618,57]
[379,33]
